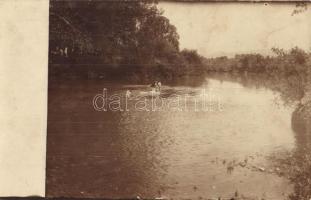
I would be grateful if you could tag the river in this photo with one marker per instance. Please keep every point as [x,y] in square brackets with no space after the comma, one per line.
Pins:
[216,143]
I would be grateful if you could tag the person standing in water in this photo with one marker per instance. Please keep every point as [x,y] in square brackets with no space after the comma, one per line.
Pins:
[128,94]
[156,86]
[159,86]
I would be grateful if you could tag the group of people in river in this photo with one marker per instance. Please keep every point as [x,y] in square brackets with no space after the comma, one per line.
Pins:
[156,85]
[156,89]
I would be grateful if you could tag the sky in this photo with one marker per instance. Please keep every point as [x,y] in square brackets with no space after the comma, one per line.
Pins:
[226,29]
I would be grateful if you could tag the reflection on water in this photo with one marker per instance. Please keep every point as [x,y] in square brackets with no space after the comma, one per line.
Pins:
[290,88]
[175,154]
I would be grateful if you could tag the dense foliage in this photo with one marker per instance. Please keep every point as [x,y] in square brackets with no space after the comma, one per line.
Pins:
[134,36]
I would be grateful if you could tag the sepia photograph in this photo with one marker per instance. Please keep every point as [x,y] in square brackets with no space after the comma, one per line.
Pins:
[179,100]
[207,100]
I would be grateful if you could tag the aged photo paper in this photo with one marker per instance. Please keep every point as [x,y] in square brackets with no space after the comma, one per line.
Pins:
[23,89]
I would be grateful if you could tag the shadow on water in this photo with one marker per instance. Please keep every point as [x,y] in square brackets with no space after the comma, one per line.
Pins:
[91,154]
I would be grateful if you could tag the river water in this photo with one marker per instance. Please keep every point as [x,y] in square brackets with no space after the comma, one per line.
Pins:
[216,143]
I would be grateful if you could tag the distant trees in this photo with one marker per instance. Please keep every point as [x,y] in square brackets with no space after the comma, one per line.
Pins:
[220,64]
[284,62]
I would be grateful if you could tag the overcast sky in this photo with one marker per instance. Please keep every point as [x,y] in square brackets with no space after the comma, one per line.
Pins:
[217,29]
